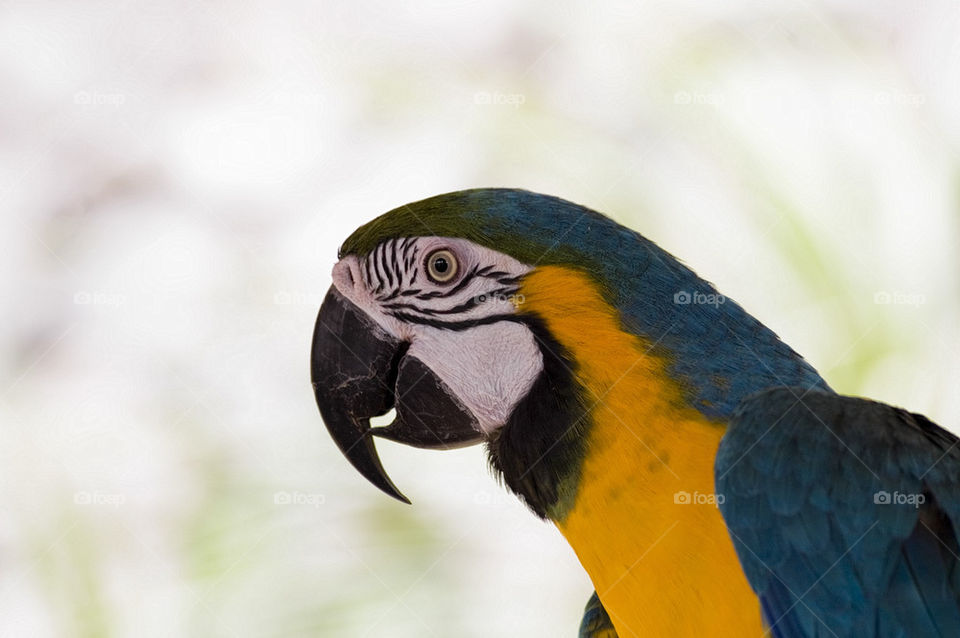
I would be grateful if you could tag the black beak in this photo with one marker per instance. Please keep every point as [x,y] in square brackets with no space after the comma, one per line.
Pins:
[359,371]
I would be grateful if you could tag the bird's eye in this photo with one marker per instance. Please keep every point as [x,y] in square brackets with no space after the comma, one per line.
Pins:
[441,266]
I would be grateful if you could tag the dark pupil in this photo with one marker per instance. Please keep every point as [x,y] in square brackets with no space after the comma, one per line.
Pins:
[440,265]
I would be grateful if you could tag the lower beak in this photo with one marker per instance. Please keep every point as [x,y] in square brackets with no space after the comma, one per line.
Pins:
[360,371]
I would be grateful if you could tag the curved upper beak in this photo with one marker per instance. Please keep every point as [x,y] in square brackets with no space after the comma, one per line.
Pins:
[360,371]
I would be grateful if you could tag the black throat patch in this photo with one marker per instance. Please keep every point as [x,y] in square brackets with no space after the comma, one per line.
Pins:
[539,451]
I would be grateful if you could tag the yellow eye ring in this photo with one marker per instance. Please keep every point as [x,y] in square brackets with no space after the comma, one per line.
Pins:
[442,266]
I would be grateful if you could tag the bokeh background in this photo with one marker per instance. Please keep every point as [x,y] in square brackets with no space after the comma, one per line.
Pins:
[175,178]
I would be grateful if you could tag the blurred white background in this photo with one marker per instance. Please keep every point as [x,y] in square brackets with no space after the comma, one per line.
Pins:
[175,178]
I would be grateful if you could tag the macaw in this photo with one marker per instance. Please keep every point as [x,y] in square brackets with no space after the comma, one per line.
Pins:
[709,480]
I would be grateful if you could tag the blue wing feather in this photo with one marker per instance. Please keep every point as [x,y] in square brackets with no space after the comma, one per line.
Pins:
[844,513]
[596,621]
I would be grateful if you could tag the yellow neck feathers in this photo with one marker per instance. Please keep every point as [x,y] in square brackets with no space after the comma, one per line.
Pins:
[644,523]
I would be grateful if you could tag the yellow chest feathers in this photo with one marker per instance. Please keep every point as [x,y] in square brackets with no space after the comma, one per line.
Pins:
[644,523]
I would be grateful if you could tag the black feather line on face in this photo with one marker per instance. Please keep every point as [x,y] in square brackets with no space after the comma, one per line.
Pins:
[430,295]
[365,272]
[463,283]
[456,326]
[469,304]
[476,300]
[376,270]
[411,263]
[392,295]
[395,265]
[509,281]
[408,306]
[408,255]
[384,250]
[538,453]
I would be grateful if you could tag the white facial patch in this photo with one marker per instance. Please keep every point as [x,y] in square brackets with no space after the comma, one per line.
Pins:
[490,368]
[463,329]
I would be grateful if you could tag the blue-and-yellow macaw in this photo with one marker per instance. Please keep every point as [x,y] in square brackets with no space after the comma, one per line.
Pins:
[706,476]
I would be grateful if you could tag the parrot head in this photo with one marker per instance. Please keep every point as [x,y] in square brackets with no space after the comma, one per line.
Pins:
[426,316]
[476,315]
